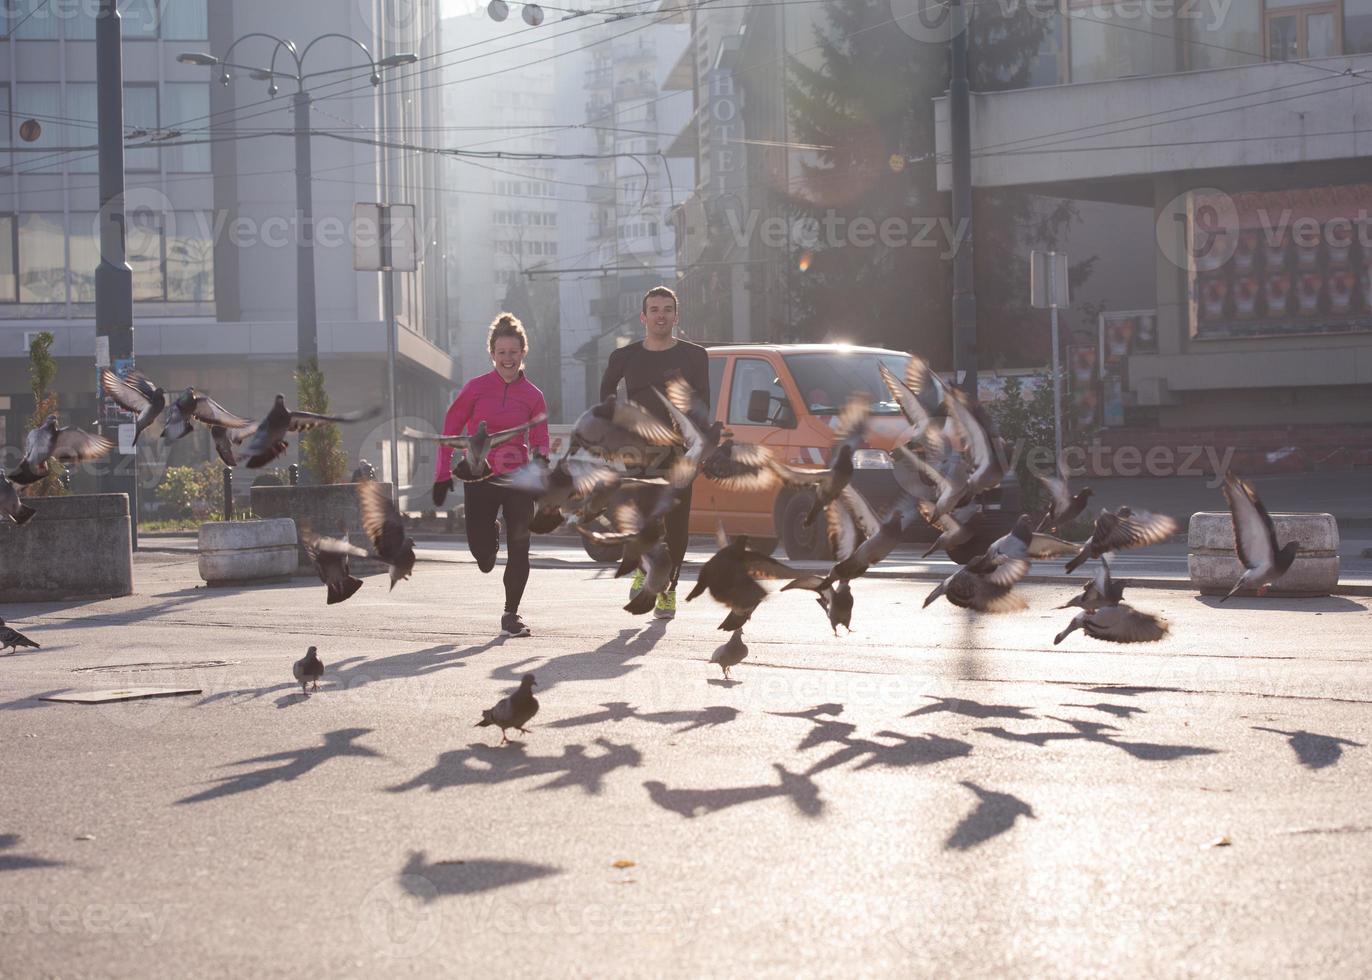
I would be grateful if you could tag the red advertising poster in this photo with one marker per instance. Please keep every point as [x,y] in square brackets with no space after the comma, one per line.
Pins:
[1272,263]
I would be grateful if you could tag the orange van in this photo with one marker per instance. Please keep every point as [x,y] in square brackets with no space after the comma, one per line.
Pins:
[786,397]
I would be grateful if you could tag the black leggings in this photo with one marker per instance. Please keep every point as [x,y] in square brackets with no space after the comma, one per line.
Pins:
[678,527]
[482,502]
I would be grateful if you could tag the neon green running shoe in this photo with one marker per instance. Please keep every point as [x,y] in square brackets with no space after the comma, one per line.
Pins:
[666,605]
[636,586]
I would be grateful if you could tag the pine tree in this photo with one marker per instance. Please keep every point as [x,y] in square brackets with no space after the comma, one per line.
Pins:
[42,372]
[321,448]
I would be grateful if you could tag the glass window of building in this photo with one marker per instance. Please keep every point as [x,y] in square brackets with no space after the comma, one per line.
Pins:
[190,258]
[43,259]
[84,241]
[1357,26]
[7,124]
[143,251]
[1215,40]
[186,104]
[1120,39]
[185,20]
[1298,29]
[41,102]
[9,272]
[29,20]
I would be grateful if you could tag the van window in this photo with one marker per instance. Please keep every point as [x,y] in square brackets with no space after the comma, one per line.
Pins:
[716,384]
[752,374]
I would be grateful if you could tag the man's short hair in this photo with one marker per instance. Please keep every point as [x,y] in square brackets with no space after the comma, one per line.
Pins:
[506,325]
[659,291]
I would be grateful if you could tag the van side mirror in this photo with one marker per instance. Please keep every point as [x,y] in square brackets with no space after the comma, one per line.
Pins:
[760,407]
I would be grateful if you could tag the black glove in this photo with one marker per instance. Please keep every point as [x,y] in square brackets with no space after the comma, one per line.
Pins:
[441,491]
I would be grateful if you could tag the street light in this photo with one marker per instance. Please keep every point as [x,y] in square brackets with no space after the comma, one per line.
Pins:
[307,331]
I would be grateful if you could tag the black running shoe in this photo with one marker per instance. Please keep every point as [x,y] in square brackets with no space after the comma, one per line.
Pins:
[512,625]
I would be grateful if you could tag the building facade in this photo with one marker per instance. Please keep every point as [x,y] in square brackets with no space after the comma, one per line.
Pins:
[211,210]
[1234,131]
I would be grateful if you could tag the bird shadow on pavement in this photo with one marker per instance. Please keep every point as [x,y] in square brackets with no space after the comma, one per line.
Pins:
[1125,711]
[617,711]
[19,862]
[1091,731]
[294,764]
[724,682]
[32,700]
[971,709]
[799,788]
[606,662]
[994,814]
[1313,751]
[483,764]
[1310,604]
[428,880]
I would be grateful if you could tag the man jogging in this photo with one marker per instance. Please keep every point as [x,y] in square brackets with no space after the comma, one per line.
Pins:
[503,399]
[644,367]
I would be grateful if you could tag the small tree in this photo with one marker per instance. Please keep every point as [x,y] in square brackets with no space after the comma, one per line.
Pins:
[42,371]
[321,449]
[1025,422]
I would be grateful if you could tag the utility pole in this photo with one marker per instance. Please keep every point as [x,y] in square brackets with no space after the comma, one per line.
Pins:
[306,322]
[960,124]
[113,277]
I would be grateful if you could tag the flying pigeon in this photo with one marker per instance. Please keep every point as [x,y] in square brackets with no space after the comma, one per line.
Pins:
[307,670]
[1118,623]
[68,444]
[1103,590]
[383,525]
[10,504]
[641,535]
[330,557]
[556,486]
[1255,539]
[828,483]
[1125,528]
[135,393]
[267,439]
[12,640]
[985,582]
[223,445]
[475,447]
[194,406]
[984,449]
[1066,506]
[730,653]
[732,576]
[618,427]
[514,711]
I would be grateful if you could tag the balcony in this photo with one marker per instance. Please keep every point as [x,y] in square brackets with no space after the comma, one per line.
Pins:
[599,77]
[600,195]
[1066,134]
[634,50]
[635,89]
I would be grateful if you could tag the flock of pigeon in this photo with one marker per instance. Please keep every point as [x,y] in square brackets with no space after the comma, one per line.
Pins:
[950,456]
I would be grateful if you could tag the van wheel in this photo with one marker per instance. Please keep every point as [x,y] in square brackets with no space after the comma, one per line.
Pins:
[606,554]
[801,542]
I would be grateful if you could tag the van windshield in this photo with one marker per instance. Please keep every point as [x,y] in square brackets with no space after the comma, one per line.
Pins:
[826,379]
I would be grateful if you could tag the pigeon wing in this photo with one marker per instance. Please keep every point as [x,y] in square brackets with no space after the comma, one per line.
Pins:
[844,534]
[1138,530]
[302,421]
[72,444]
[1255,539]
[505,435]
[1124,624]
[762,566]
[638,420]
[210,412]
[127,395]
[741,466]
[380,520]
[456,442]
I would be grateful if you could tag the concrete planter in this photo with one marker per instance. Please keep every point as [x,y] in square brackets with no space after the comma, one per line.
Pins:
[236,552]
[329,509]
[1215,567]
[76,547]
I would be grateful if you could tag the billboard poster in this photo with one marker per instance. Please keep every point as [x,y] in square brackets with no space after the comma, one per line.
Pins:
[1280,263]
[1083,409]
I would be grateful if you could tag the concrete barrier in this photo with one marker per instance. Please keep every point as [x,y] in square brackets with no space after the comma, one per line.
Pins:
[238,552]
[76,547]
[329,509]
[1215,566]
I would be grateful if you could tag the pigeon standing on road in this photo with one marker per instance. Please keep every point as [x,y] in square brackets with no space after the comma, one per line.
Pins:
[514,711]
[330,557]
[307,670]
[68,444]
[135,393]
[1255,539]
[12,640]
[730,653]
[837,603]
[267,439]
[381,520]
[10,504]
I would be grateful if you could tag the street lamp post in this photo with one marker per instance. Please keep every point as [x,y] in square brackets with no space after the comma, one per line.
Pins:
[307,327]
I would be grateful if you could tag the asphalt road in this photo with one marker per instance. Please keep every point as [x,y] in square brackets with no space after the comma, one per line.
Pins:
[936,794]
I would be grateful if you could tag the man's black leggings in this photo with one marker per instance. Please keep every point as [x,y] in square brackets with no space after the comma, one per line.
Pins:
[482,502]
[678,526]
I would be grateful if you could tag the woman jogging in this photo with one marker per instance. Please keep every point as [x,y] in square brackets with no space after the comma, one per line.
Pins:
[503,399]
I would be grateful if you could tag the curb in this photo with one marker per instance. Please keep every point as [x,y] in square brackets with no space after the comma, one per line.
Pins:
[1178,584]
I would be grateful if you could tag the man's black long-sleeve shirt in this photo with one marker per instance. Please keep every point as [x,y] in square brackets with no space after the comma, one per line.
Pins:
[642,370]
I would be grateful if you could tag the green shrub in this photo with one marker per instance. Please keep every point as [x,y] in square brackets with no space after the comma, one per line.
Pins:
[189,491]
[321,449]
